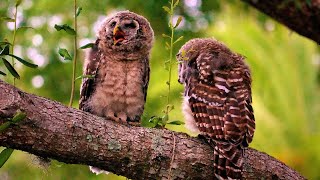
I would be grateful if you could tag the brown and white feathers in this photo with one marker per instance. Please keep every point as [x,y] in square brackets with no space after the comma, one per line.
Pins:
[119,66]
[217,101]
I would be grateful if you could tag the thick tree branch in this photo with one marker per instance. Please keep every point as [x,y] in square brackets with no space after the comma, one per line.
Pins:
[72,136]
[298,15]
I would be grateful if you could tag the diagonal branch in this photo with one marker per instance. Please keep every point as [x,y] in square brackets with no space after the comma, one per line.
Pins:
[72,136]
[302,16]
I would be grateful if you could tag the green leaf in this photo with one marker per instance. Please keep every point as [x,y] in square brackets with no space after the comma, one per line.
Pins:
[65,54]
[179,39]
[176,122]
[24,27]
[79,9]
[19,116]
[165,118]
[167,9]
[24,62]
[2,73]
[18,2]
[7,19]
[176,4]
[167,46]
[5,155]
[5,43]
[166,36]
[170,107]
[10,68]
[89,45]
[85,76]
[4,126]
[5,50]
[66,28]
[178,21]
[154,120]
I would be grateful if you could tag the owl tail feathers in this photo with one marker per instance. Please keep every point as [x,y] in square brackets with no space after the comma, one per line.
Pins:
[97,171]
[227,162]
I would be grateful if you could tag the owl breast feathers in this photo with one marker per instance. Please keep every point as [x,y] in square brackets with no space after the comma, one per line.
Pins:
[217,101]
[119,66]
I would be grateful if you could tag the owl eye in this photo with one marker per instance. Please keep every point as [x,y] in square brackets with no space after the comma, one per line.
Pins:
[113,24]
[130,25]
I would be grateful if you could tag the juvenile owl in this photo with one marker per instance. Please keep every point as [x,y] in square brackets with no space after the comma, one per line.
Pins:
[118,64]
[217,101]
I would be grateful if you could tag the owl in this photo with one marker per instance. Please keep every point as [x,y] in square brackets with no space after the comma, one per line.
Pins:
[117,69]
[217,101]
[118,64]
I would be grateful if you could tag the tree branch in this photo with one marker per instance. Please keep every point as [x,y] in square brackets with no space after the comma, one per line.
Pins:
[72,136]
[298,15]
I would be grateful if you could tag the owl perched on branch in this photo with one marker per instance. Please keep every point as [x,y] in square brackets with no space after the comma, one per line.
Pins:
[217,101]
[119,65]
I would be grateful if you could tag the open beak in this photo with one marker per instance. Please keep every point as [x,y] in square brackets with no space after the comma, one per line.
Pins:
[118,35]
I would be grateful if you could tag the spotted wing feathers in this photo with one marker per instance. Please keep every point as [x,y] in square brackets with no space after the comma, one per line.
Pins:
[223,113]
[88,83]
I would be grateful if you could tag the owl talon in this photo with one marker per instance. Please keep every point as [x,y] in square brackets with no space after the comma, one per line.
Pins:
[205,140]
[134,123]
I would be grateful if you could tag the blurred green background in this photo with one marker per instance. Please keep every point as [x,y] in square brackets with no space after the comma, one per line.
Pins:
[285,69]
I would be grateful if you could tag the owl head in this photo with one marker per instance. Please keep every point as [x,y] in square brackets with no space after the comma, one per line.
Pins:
[125,32]
[201,57]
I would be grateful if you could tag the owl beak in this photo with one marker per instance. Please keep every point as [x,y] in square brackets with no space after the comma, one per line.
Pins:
[118,35]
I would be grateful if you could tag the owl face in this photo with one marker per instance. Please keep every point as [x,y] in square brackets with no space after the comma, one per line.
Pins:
[121,31]
[187,63]
[201,57]
[182,69]
[126,31]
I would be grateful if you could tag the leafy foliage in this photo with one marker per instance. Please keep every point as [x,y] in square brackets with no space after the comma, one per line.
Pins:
[65,28]
[89,45]
[65,54]
[5,155]
[284,68]
[161,121]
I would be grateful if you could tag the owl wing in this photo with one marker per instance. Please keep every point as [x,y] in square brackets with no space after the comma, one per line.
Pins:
[146,77]
[239,118]
[88,83]
[221,106]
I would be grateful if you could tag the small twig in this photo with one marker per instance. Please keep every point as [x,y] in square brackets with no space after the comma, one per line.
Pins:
[75,55]
[14,40]
[173,153]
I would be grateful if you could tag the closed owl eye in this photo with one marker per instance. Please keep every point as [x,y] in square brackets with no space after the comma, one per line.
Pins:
[130,25]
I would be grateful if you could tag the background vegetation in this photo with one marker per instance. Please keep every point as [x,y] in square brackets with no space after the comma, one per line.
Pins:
[285,68]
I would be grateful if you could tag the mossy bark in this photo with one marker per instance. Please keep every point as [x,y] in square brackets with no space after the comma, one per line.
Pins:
[72,136]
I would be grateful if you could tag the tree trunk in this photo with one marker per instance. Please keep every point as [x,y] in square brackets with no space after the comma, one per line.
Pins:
[72,136]
[302,16]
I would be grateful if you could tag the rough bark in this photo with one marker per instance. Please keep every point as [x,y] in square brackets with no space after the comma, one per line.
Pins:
[302,16]
[72,136]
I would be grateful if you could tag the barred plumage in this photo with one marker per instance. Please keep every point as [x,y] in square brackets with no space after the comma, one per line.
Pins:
[217,101]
